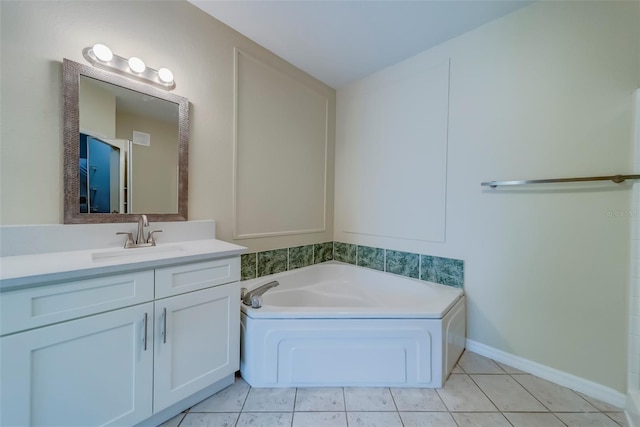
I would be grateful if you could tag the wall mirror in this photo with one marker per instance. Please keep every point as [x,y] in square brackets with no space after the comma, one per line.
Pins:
[126,148]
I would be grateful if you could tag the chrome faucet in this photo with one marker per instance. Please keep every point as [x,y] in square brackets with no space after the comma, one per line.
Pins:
[140,240]
[142,223]
[254,297]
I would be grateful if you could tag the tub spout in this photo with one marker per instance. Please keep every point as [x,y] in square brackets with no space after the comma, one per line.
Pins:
[253,298]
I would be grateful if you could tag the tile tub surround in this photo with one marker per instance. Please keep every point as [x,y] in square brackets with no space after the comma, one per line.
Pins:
[258,264]
[480,392]
[445,271]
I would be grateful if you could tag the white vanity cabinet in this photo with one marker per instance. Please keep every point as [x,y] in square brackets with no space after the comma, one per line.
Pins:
[90,371]
[118,349]
[197,342]
[197,339]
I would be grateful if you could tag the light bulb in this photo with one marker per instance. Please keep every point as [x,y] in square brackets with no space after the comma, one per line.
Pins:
[165,75]
[102,52]
[136,64]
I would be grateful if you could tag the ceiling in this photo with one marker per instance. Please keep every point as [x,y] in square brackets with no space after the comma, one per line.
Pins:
[339,41]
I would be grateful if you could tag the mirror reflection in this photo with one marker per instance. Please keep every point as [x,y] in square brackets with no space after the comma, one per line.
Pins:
[128,159]
[126,149]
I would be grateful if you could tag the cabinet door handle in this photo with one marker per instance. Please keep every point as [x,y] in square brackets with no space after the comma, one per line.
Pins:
[145,331]
[164,325]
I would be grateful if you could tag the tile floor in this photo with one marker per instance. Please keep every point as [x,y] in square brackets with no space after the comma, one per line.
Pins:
[479,392]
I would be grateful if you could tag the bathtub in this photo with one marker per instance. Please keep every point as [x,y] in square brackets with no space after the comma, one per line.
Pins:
[335,324]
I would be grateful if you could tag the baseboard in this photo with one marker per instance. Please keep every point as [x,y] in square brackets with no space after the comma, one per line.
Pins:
[633,408]
[587,387]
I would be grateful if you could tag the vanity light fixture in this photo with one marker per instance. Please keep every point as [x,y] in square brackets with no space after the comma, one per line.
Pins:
[102,52]
[165,75]
[137,65]
[101,56]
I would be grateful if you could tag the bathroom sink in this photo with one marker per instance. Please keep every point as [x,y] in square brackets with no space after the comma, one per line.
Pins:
[134,253]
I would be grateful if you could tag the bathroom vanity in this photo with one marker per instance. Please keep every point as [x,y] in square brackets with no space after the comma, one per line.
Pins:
[117,337]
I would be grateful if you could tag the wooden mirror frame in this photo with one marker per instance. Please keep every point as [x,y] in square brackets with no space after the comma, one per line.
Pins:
[71,72]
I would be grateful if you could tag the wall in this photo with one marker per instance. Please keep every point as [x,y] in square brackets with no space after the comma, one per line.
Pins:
[97,110]
[155,167]
[280,152]
[197,48]
[544,92]
[396,128]
[633,397]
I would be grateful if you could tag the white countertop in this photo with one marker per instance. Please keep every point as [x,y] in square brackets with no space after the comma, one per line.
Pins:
[23,271]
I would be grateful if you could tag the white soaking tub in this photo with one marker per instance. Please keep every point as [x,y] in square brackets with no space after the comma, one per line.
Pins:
[335,324]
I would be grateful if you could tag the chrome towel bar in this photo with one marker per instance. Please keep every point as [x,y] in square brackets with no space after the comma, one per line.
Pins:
[615,178]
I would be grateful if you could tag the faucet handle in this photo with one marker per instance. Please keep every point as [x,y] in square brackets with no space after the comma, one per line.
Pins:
[129,243]
[151,239]
[256,301]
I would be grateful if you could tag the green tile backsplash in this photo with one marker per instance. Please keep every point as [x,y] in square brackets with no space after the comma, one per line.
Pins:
[300,256]
[274,261]
[322,252]
[344,252]
[446,271]
[403,263]
[248,266]
[371,257]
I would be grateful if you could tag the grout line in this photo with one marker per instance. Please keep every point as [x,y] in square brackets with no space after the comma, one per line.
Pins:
[393,399]
[256,267]
[384,260]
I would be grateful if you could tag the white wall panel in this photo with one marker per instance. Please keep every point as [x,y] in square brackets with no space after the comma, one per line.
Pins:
[393,155]
[280,152]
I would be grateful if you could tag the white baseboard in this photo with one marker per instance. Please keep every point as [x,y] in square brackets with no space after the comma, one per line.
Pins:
[633,408]
[589,388]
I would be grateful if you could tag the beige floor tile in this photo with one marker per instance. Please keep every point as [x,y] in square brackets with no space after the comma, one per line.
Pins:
[319,419]
[417,399]
[175,421]
[585,419]
[427,419]
[507,394]
[457,370]
[229,399]
[460,393]
[473,363]
[528,419]
[373,419]
[555,397]
[270,400]
[480,419]
[618,417]
[603,406]
[368,399]
[201,419]
[264,419]
[510,369]
[328,399]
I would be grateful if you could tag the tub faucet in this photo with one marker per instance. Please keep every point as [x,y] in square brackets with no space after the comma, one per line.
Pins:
[254,297]
[142,223]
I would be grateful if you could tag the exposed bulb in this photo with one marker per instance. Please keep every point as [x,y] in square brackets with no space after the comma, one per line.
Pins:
[165,75]
[102,52]
[136,64]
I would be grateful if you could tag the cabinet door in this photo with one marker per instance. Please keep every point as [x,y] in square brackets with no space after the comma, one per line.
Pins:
[197,342]
[85,372]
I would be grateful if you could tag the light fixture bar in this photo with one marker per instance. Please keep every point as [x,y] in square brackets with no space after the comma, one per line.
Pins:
[102,57]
